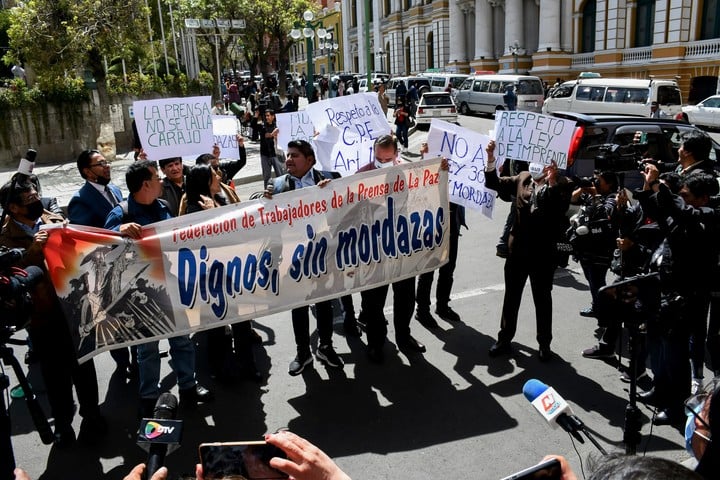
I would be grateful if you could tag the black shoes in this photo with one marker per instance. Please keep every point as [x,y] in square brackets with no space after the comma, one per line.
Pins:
[350,327]
[599,351]
[375,354]
[666,417]
[648,397]
[190,397]
[299,363]
[545,354]
[327,355]
[64,436]
[447,314]
[409,344]
[499,348]
[426,319]
[588,312]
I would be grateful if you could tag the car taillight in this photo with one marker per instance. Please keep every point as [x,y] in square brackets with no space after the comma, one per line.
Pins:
[452,110]
[575,144]
[420,110]
[679,116]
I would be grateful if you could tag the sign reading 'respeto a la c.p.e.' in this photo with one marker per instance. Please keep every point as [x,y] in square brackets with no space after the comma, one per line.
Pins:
[173,127]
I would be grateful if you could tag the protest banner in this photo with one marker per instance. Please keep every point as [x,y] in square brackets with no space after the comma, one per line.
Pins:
[532,137]
[225,132]
[251,259]
[465,151]
[174,127]
[345,126]
[294,126]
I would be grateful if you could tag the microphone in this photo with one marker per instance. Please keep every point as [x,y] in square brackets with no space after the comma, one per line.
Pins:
[27,163]
[553,408]
[160,432]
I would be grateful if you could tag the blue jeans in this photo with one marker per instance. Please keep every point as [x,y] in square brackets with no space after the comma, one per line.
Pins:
[182,352]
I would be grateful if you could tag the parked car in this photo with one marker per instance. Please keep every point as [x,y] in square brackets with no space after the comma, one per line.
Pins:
[486,93]
[435,105]
[607,142]
[705,114]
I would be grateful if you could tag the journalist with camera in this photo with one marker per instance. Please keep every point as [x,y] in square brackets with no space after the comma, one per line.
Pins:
[592,233]
[685,260]
[47,328]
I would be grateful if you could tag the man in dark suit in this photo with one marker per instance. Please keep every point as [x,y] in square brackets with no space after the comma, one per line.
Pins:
[301,174]
[90,206]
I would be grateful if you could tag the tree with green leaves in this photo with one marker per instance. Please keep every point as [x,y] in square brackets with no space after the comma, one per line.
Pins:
[59,38]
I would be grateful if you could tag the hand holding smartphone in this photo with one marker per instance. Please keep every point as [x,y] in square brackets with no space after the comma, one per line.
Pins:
[240,461]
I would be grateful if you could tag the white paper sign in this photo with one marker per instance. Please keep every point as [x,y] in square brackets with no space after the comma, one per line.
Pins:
[294,126]
[174,127]
[465,151]
[345,125]
[225,129]
[532,137]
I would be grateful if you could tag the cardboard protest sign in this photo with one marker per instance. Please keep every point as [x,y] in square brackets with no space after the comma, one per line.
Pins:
[345,125]
[532,137]
[250,259]
[174,127]
[294,126]
[225,131]
[465,151]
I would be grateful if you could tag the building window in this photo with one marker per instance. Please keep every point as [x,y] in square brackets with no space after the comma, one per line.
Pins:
[406,5]
[644,23]
[430,50]
[353,13]
[587,39]
[710,20]
[386,7]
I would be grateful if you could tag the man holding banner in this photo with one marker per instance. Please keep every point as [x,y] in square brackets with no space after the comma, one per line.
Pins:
[143,208]
[300,161]
[373,300]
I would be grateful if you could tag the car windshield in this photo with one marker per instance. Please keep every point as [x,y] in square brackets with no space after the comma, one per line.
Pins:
[432,100]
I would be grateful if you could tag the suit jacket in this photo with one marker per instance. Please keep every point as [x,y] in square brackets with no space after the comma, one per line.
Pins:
[90,207]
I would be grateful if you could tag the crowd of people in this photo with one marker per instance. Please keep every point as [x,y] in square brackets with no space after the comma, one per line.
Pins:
[667,234]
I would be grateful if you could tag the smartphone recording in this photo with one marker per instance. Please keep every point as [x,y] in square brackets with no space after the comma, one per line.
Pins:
[239,461]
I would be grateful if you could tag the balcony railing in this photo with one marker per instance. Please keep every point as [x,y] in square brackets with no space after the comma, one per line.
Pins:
[703,48]
[637,55]
[582,59]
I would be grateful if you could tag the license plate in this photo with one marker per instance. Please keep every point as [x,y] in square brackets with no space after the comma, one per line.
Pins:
[531,104]
[437,112]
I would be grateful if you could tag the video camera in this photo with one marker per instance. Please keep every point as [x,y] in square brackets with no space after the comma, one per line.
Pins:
[615,157]
[15,286]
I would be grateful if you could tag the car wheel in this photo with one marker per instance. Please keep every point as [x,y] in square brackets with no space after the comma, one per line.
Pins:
[464,109]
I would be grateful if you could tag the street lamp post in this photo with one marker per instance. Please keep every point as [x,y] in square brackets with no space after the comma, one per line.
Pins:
[308,31]
[382,54]
[331,48]
[514,50]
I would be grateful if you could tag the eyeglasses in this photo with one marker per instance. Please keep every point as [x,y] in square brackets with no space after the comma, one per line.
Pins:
[693,405]
[101,163]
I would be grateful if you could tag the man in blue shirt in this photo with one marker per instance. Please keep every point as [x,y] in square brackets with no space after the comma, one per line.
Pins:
[145,207]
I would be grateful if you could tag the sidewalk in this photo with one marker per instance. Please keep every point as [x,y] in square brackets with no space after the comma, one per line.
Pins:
[62,180]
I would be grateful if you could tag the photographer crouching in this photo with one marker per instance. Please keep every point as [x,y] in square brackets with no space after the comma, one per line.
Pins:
[685,260]
[48,329]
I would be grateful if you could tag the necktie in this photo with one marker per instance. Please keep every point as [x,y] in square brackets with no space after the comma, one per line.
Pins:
[110,196]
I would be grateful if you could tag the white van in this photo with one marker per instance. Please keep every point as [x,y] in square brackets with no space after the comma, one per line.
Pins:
[421,83]
[440,81]
[484,93]
[615,96]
